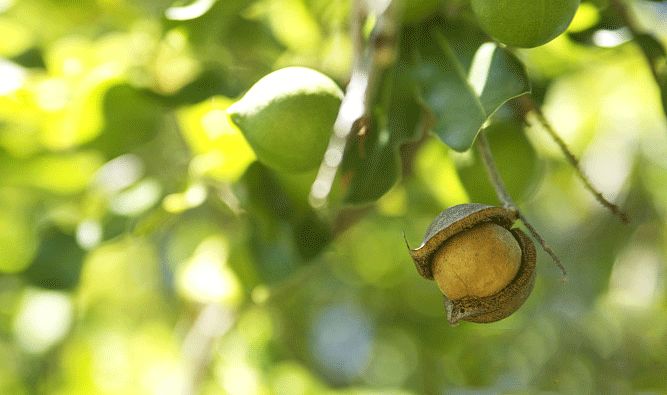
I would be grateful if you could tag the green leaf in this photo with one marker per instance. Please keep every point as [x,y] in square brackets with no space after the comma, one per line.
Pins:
[61,173]
[19,237]
[285,233]
[374,157]
[58,262]
[132,117]
[652,48]
[463,101]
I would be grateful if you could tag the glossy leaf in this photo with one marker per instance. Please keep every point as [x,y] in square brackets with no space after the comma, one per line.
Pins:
[463,101]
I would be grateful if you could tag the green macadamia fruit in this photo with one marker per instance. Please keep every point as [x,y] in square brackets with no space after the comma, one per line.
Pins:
[524,23]
[288,116]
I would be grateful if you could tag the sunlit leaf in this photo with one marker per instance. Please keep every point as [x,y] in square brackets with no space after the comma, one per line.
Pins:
[17,38]
[587,16]
[220,149]
[61,174]
[293,24]
[73,115]
[598,24]
[18,242]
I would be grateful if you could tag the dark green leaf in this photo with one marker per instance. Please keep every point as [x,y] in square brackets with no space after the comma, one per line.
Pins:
[58,262]
[131,117]
[209,83]
[655,53]
[463,101]
[375,157]
[652,49]
[284,232]
[30,58]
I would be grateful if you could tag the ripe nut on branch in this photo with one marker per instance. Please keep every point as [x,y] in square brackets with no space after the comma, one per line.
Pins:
[484,268]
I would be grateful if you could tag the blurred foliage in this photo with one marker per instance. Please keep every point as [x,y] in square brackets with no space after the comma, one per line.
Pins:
[138,234]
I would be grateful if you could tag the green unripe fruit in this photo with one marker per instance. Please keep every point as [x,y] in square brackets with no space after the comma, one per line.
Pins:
[524,23]
[415,11]
[288,116]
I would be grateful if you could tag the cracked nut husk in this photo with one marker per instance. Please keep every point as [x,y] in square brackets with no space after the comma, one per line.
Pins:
[484,268]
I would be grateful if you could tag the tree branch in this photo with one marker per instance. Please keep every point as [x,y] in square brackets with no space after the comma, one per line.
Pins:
[370,58]
[213,321]
[529,105]
[507,201]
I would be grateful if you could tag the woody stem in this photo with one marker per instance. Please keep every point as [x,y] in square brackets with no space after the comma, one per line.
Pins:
[507,201]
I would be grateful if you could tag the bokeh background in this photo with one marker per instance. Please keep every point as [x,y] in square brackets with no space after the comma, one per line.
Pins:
[143,250]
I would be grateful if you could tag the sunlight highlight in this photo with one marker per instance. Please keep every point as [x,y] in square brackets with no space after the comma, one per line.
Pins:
[205,277]
[191,11]
[481,64]
[634,278]
[12,77]
[44,318]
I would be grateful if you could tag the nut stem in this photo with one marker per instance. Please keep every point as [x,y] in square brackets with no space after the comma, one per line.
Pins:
[507,201]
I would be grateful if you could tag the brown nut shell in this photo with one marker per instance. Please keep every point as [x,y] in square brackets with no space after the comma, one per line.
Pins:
[472,308]
[452,221]
[504,303]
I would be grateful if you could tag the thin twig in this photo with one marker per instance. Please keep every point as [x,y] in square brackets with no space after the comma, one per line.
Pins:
[531,106]
[545,246]
[506,199]
[492,171]
[213,322]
